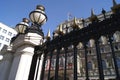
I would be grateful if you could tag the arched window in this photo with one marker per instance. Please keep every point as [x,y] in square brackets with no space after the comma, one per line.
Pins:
[89,65]
[104,64]
[118,62]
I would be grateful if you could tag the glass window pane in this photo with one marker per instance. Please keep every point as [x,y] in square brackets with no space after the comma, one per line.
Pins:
[118,62]
[104,64]
[89,65]
[4,31]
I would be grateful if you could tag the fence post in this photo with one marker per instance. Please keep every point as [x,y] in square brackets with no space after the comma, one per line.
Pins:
[99,60]
[114,58]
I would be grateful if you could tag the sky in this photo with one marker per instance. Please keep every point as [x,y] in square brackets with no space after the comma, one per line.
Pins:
[13,11]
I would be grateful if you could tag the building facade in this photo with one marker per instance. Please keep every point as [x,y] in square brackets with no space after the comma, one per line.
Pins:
[92,63]
[6,33]
[105,50]
[107,61]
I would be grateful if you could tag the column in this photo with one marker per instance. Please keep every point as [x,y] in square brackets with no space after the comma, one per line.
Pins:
[21,66]
[5,65]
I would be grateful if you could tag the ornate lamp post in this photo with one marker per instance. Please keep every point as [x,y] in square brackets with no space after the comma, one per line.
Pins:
[38,18]
[22,26]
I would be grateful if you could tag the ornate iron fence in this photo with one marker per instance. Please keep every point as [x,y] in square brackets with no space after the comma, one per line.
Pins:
[65,46]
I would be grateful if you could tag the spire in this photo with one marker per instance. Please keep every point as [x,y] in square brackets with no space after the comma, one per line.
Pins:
[114,3]
[48,35]
[59,31]
[75,21]
[93,16]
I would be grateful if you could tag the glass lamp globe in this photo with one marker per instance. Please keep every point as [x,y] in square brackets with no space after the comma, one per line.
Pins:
[22,26]
[38,16]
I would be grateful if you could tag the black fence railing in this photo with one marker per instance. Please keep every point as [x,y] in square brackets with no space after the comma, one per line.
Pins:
[52,50]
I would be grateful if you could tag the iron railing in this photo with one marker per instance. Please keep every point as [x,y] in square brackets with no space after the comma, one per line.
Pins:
[59,45]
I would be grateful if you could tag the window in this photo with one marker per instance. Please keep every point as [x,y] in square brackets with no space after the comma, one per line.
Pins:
[7,40]
[14,35]
[9,33]
[70,59]
[115,47]
[104,64]
[0,28]
[47,64]
[118,62]
[89,65]
[89,52]
[102,50]
[1,37]
[119,46]
[4,31]
[53,62]
[107,49]
[61,61]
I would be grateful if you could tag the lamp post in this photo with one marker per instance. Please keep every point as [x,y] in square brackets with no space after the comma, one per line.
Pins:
[22,26]
[38,18]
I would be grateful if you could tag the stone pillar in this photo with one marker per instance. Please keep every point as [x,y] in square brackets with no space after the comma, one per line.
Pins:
[5,65]
[23,47]
[21,63]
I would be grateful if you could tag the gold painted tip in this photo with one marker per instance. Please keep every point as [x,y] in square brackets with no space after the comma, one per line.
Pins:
[93,16]
[48,35]
[75,21]
[75,25]
[59,30]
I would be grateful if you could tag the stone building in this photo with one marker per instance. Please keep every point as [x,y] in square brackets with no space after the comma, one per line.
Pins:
[105,50]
